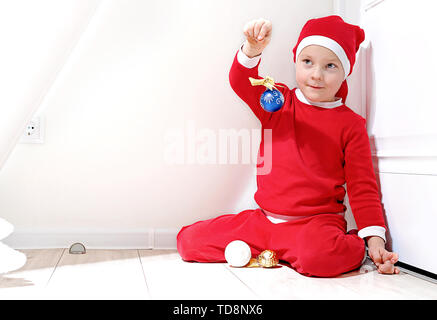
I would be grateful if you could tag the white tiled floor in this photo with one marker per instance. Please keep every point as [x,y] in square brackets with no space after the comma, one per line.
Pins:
[161,274]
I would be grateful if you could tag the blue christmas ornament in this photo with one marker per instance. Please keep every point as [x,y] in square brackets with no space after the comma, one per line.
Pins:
[272,100]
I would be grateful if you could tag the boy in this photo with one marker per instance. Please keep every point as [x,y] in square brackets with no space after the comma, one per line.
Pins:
[318,144]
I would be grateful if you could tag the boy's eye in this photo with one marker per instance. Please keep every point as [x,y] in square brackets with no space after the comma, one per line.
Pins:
[306,61]
[331,66]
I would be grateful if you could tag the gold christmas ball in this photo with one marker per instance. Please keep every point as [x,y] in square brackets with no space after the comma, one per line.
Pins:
[267,259]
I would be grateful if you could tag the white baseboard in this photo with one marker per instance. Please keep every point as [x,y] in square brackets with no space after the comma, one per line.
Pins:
[93,239]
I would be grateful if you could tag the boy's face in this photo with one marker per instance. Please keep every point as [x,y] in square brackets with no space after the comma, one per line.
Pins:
[319,73]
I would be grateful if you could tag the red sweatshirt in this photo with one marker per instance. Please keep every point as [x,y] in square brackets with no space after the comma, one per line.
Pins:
[315,150]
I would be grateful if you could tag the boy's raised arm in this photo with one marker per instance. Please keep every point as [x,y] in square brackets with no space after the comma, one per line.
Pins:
[258,34]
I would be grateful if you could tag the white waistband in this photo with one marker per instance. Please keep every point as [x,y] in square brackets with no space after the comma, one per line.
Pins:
[279,218]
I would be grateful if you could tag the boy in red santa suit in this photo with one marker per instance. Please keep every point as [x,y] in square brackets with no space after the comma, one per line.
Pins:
[318,144]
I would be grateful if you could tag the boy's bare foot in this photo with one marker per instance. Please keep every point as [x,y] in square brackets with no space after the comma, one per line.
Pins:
[386,262]
[383,259]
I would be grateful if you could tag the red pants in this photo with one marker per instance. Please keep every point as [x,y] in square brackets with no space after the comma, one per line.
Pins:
[314,246]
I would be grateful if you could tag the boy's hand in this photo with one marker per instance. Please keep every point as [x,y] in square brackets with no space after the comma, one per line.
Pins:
[258,33]
[383,259]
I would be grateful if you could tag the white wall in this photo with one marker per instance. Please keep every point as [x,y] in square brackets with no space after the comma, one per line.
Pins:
[37,39]
[401,113]
[140,70]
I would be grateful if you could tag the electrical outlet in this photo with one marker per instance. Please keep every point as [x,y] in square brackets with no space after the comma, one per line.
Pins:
[34,132]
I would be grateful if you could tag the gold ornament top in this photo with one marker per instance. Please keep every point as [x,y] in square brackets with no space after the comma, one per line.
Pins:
[268,82]
[267,259]
[253,263]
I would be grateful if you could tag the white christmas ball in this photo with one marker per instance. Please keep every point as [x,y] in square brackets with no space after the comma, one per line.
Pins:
[237,253]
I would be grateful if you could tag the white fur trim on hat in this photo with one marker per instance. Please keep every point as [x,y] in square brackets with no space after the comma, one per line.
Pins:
[327,43]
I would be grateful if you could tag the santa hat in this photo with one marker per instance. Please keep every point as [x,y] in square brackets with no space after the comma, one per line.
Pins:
[333,33]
